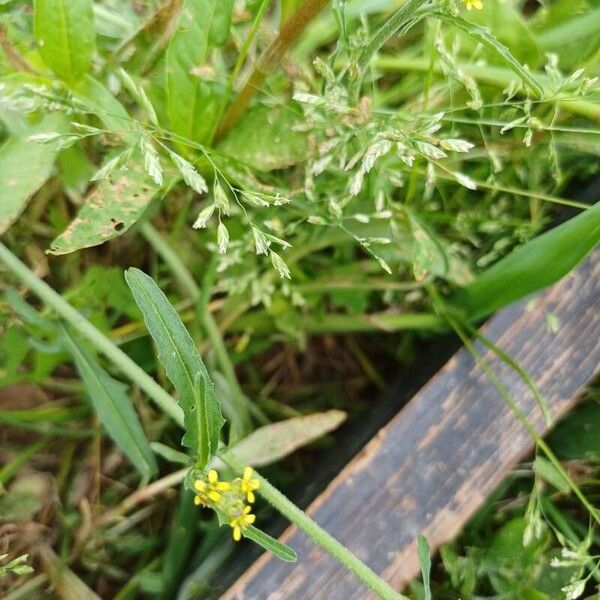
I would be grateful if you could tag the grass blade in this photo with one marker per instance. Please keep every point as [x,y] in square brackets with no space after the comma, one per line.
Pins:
[531,267]
[114,408]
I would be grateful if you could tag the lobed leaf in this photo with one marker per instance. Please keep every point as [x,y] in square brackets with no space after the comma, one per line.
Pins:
[183,365]
[66,36]
[110,401]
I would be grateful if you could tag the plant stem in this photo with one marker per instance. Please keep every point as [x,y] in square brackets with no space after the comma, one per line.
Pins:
[95,337]
[492,75]
[290,32]
[410,13]
[189,285]
[505,395]
[319,535]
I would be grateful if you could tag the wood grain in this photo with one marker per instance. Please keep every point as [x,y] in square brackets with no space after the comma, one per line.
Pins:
[438,460]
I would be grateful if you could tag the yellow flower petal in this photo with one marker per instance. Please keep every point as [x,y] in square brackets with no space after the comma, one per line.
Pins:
[237,533]
[214,496]
[247,473]
[197,500]
[223,486]
[213,476]
[251,498]
[199,486]
[250,519]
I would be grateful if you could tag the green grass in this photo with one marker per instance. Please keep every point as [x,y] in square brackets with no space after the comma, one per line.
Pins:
[320,189]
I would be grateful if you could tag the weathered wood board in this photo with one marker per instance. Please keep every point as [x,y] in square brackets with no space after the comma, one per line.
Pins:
[438,460]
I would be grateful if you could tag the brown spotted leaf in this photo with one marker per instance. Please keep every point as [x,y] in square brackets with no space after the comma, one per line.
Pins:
[109,211]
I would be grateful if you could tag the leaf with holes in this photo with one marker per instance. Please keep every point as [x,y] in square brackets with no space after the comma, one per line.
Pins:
[114,205]
[66,36]
[183,365]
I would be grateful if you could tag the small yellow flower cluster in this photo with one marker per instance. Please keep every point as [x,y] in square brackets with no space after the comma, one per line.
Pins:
[229,498]
[470,4]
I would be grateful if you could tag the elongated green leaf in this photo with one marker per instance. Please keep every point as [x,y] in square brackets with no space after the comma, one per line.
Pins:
[202,389]
[25,166]
[192,91]
[109,398]
[266,138]
[65,32]
[110,210]
[279,549]
[487,40]
[424,555]
[179,356]
[535,265]
[272,442]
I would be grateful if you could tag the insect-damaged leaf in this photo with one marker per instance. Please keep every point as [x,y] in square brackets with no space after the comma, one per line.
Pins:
[25,166]
[183,365]
[114,205]
[192,91]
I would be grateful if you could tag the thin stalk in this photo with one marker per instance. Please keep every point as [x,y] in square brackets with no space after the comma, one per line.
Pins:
[88,331]
[290,32]
[505,395]
[410,13]
[496,76]
[189,285]
[319,535]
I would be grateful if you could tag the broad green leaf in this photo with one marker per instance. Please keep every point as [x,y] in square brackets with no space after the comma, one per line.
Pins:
[114,205]
[100,100]
[192,92]
[179,356]
[66,36]
[531,267]
[489,42]
[110,400]
[266,138]
[272,442]
[279,549]
[424,555]
[25,166]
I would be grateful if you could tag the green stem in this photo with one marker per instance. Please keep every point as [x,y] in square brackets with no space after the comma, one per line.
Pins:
[410,13]
[496,76]
[319,535]
[290,32]
[505,395]
[189,285]
[95,337]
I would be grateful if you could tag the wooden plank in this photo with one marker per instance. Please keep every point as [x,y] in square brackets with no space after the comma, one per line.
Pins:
[438,460]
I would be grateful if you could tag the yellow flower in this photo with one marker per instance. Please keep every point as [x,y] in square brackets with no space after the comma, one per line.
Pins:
[239,522]
[211,489]
[470,4]
[249,484]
